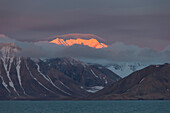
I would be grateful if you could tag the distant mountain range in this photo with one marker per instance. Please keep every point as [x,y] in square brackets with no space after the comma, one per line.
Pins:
[68,78]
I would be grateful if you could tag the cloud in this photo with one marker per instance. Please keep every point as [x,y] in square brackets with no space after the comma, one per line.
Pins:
[5,39]
[117,52]
[132,53]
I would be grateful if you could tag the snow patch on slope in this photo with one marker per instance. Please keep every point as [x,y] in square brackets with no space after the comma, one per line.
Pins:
[94,89]
[64,85]
[48,79]
[18,73]
[36,79]
[94,74]
[4,84]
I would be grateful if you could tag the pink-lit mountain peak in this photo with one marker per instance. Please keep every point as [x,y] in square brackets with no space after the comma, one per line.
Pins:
[78,35]
[81,39]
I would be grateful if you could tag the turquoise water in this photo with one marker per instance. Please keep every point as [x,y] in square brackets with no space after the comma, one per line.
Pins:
[142,106]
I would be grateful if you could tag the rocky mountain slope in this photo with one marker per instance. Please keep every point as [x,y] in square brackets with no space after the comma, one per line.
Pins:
[65,78]
[152,82]
[90,77]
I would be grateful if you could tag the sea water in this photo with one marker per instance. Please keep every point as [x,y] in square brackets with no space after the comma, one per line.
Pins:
[140,106]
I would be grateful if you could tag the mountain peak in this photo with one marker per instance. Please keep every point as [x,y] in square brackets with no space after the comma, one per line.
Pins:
[81,39]
[8,49]
[78,35]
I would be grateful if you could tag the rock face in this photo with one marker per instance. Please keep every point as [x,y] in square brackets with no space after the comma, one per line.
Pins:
[27,78]
[152,82]
[88,76]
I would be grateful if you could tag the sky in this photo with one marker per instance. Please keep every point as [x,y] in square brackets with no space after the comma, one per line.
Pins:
[144,23]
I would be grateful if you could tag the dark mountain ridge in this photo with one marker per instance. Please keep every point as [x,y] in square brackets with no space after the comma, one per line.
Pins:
[152,82]
[60,78]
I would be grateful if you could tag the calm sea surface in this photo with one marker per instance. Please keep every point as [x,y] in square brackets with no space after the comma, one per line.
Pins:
[85,106]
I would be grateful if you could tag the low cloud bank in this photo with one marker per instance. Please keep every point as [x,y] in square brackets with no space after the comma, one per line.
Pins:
[117,52]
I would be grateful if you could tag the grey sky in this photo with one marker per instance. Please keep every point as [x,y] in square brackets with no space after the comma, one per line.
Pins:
[141,22]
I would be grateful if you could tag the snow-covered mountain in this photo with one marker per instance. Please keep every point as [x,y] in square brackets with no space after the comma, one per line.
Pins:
[123,69]
[77,38]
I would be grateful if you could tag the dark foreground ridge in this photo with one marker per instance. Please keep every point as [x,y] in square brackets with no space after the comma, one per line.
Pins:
[152,82]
